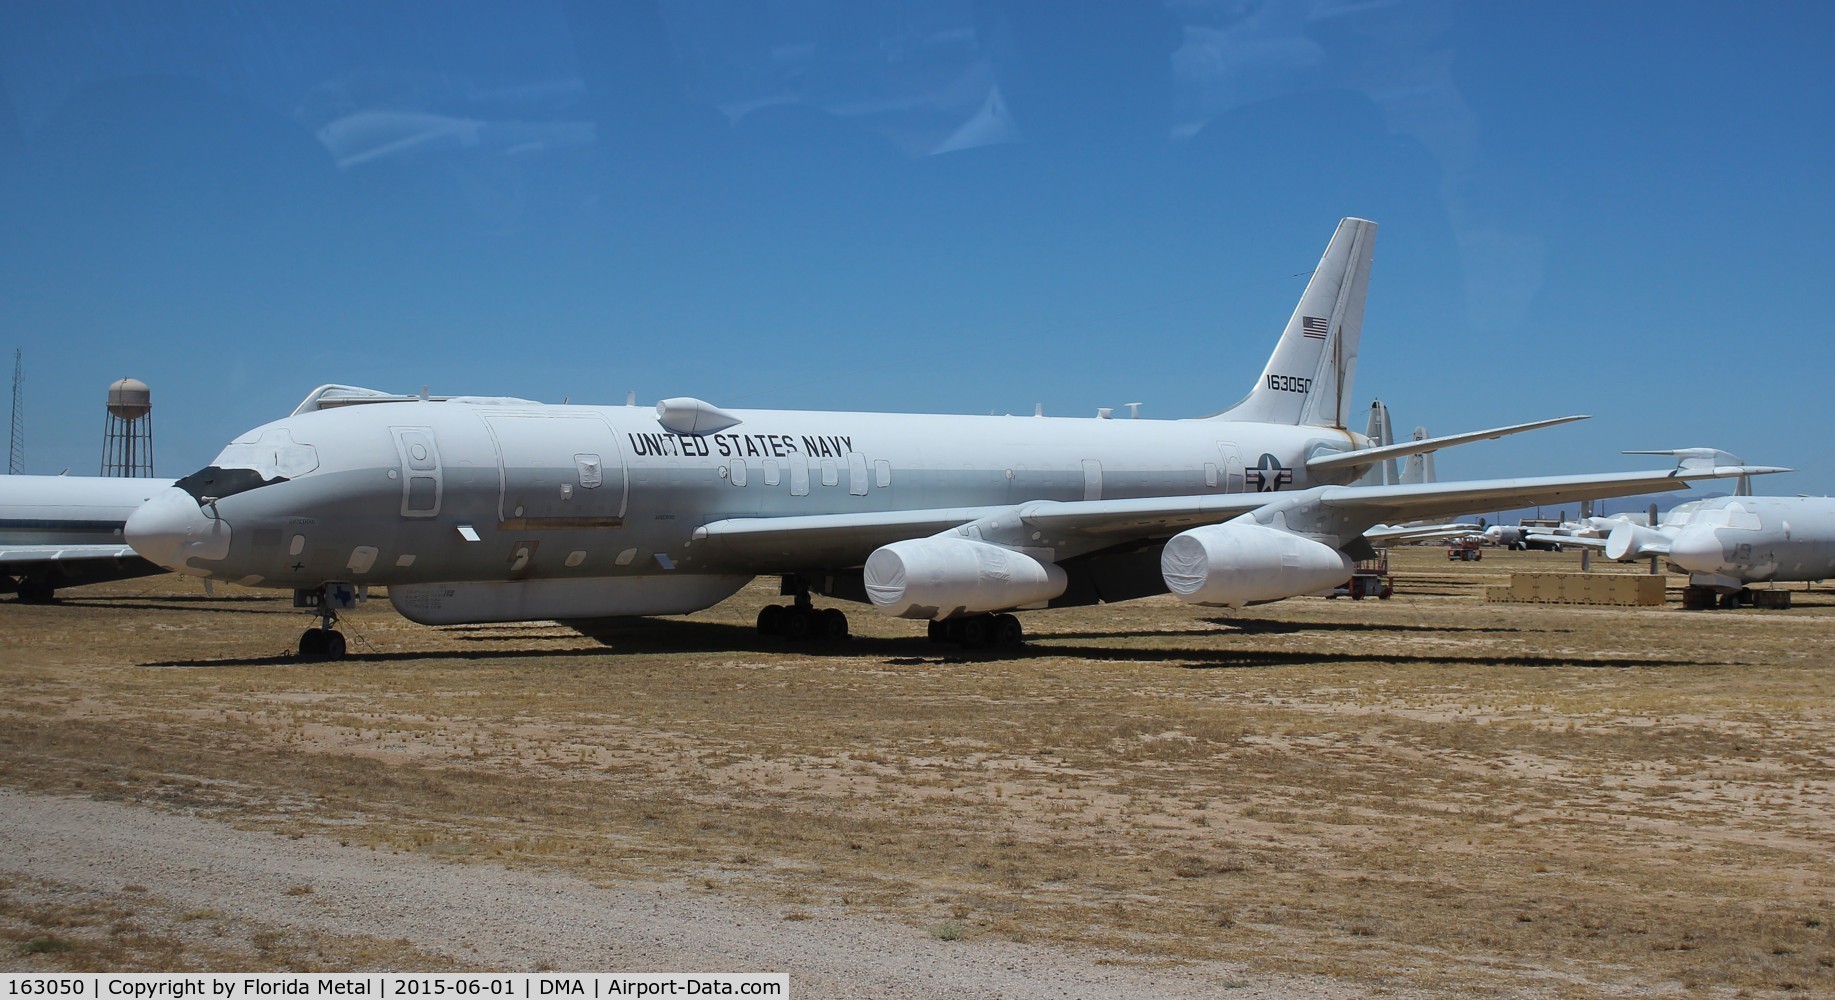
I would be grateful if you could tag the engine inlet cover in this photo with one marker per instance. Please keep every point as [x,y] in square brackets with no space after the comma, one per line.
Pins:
[1240,562]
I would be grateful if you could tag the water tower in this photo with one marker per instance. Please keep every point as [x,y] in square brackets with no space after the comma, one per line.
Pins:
[127,443]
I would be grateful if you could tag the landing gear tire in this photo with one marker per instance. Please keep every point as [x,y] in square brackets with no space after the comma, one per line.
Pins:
[980,631]
[798,623]
[1008,632]
[321,644]
[33,591]
[801,620]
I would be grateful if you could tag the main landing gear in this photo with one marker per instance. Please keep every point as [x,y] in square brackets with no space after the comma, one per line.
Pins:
[980,631]
[802,620]
[320,642]
[36,590]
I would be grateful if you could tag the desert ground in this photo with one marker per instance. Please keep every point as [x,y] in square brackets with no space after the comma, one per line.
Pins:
[1428,795]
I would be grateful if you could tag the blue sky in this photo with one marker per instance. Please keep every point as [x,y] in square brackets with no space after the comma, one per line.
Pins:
[1616,209]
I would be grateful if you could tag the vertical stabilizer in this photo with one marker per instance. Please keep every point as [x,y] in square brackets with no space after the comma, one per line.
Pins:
[1381,433]
[1308,378]
[1419,467]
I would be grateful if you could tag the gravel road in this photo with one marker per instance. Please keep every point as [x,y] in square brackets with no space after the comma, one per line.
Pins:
[490,916]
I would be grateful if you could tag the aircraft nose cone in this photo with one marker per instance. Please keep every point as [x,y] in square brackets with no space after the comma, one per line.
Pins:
[171,530]
[1698,552]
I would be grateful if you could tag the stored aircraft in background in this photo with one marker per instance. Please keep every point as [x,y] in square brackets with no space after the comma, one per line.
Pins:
[487,509]
[1725,544]
[65,531]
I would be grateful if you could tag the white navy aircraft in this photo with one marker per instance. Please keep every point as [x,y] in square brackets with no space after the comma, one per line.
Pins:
[487,510]
[1725,544]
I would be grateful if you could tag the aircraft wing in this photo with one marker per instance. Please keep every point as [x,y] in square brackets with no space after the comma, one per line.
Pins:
[1368,456]
[1413,502]
[826,539]
[1416,532]
[832,540]
[1076,527]
[69,555]
[38,570]
[1576,541]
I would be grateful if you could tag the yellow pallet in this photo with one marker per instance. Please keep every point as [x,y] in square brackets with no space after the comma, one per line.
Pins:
[1614,589]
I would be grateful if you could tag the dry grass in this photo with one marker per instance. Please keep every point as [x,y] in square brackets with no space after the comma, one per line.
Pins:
[49,927]
[1430,791]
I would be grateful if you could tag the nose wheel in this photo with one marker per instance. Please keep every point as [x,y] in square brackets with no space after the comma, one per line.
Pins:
[321,644]
[322,641]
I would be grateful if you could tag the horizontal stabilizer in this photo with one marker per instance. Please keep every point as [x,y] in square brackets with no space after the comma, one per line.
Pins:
[1368,456]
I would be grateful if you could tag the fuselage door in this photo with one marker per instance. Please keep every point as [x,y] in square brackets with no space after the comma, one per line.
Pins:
[421,484]
[1232,467]
[558,470]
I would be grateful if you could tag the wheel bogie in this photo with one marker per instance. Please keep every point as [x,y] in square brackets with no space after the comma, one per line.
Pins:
[800,621]
[1002,631]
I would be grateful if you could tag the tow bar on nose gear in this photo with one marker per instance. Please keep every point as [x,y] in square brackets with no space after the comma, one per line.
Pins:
[322,642]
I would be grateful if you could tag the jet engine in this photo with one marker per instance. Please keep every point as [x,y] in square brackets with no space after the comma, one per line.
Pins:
[939,578]
[1237,563]
[1634,541]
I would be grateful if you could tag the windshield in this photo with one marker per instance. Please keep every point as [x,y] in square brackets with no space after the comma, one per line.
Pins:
[262,457]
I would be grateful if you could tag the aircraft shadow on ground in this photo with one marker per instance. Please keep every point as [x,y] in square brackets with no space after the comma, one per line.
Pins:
[358,656]
[1215,659]
[1262,626]
[665,636]
[215,605]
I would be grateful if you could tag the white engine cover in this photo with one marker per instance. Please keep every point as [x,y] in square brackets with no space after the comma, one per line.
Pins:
[1634,541]
[938,578]
[1237,563]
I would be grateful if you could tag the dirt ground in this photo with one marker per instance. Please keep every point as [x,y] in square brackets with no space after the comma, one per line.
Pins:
[1430,793]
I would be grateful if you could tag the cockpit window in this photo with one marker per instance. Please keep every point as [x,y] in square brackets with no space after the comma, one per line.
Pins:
[215,483]
[262,457]
[272,452]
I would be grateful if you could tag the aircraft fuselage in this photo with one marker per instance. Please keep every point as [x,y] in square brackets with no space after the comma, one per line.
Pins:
[431,493]
[1732,541]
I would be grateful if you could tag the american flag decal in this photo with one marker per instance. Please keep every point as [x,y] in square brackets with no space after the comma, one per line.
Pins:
[1313,327]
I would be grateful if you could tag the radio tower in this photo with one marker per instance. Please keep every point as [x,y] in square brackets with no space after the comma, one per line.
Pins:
[15,462]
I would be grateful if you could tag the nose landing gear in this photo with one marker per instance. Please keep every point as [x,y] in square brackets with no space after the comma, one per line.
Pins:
[322,641]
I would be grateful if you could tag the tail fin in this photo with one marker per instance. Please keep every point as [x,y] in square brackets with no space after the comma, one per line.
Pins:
[1419,467]
[1381,434]
[1308,378]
